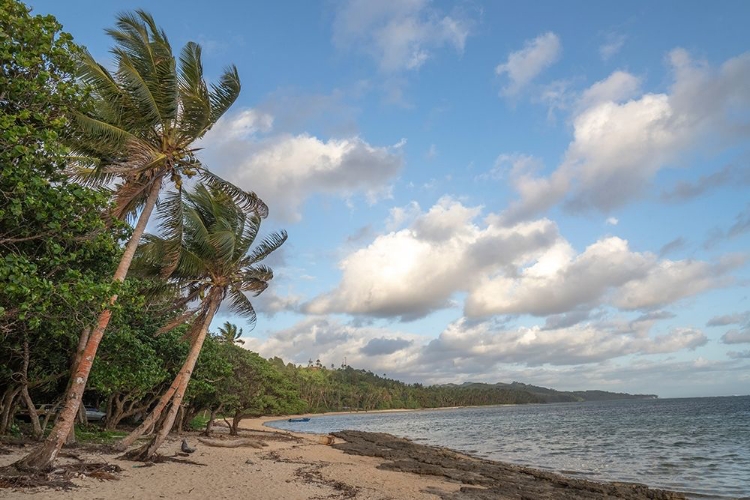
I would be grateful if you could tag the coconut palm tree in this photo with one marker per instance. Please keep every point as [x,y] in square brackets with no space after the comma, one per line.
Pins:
[217,261]
[136,138]
[229,334]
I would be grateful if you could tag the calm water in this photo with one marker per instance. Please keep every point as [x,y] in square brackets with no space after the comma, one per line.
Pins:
[700,446]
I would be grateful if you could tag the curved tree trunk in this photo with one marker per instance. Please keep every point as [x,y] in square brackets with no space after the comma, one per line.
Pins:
[9,405]
[147,451]
[234,430]
[153,417]
[210,423]
[43,456]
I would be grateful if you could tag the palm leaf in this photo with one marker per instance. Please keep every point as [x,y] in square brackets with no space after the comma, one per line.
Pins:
[240,304]
[247,201]
[225,93]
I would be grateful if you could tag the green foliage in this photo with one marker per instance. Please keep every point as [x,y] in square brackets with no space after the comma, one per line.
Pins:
[94,434]
[56,252]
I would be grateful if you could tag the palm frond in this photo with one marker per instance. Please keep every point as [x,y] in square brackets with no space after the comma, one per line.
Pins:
[130,196]
[103,136]
[225,93]
[171,227]
[269,244]
[196,105]
[247,201]
[240,304]
[179,320]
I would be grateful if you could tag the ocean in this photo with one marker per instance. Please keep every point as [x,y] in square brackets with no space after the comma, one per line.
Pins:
[700,446]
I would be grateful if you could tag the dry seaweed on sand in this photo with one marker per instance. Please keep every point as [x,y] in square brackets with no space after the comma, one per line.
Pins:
[60,476]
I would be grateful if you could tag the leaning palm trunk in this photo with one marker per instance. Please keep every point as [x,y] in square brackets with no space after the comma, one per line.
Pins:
[147,451]
[155,414]
[43,456]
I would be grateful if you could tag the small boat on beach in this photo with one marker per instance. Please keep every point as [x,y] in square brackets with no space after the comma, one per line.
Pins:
[304,419]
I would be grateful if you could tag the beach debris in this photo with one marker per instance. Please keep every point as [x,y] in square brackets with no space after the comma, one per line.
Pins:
[235,443]
[60,477]
[185,447]
[327,440]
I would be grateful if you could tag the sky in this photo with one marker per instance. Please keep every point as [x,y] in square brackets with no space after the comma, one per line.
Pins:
[548,192]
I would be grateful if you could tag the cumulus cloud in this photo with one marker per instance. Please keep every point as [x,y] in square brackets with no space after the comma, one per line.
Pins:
[617,87]
[606,272]
[285,170]
[730,319]
[524,65]
[528,268]
[668,281]
[621,142]
[483,347]
[736,336]
[739,335]
[375,348]
[382,346]
[470,350]
[399,35]
[413,271]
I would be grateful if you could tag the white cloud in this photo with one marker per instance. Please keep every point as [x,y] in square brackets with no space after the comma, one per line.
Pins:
[400,34]
[416,270]
[468,350]
[486,346]
[617,87]
[285,170]
[243,125]
[526,64]
[620,143]
[374,348]
[669,281]
[612,46]
[612,221]
[523,269]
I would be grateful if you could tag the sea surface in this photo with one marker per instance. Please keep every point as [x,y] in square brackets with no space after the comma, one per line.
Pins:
[700,446]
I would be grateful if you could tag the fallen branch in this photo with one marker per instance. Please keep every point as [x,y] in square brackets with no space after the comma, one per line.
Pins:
[236,443]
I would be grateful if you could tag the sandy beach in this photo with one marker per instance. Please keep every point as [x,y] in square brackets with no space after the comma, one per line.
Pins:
[297,466]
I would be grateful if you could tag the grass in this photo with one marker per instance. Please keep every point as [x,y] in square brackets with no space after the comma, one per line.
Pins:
[199,423]
[97,435]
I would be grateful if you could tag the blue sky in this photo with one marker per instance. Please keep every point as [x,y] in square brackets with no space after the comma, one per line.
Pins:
[548,192]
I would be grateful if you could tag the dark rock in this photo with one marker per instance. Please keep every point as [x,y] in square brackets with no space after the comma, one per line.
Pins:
[486,479]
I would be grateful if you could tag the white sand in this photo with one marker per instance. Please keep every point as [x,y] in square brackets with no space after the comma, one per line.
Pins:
[284,470]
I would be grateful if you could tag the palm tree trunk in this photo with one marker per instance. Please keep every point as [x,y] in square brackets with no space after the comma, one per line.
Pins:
[152,417]
[43,456]
[147,451]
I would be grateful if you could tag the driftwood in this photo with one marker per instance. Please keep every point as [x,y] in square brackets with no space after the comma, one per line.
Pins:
[235,443]
[327,440]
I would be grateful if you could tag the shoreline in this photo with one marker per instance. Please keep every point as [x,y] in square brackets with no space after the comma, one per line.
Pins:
[298,466]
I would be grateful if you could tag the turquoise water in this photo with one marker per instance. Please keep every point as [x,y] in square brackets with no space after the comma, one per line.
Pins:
[700,446]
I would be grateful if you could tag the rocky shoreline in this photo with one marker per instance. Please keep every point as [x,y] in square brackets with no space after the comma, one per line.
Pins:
[485,479]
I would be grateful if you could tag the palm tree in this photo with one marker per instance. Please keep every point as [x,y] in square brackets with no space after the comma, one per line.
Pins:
[138,135]
[229,334]
[217,261]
